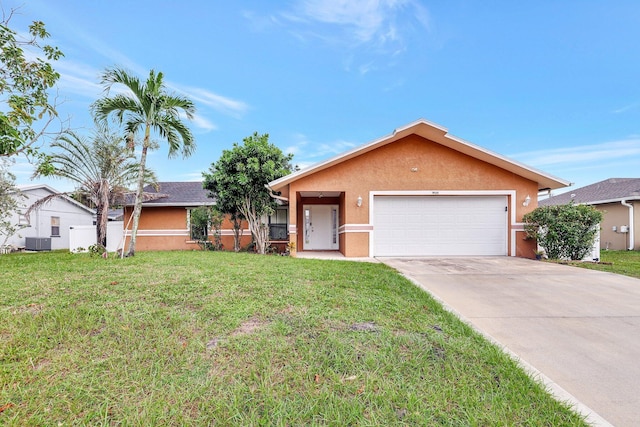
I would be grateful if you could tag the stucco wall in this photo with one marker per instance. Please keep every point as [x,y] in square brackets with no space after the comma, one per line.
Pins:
[614,214]
[412,163]
[165,228]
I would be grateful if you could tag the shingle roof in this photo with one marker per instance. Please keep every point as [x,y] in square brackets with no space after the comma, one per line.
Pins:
[189,193]
[609,190]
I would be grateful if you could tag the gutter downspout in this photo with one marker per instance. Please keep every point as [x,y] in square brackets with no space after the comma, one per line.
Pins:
[631,233]
[284,199]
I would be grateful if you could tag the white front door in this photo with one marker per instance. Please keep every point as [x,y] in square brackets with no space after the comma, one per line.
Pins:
[320,227]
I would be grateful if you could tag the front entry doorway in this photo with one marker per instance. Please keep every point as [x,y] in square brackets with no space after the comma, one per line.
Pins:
[320,227]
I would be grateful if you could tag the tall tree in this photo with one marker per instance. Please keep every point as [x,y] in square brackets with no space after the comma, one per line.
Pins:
[145,108]
[9,202]
[239,177]
[25,80]
[102,168]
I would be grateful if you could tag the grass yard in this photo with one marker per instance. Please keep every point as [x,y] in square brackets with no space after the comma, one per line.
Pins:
[210,338]
[619,262]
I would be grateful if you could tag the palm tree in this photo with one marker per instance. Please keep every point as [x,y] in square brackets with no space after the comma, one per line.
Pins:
[102,168]
[145,108]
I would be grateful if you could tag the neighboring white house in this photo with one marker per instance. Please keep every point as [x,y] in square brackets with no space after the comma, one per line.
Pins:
[48,226]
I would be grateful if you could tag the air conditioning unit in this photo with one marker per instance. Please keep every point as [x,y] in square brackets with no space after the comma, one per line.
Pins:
[38,243]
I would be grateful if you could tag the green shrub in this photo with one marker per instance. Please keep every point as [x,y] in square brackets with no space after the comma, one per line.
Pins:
[203,219]
[97,250]
[564,231]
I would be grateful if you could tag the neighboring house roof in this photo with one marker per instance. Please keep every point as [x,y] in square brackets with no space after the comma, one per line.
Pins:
[32,187]
[189,193]
[440,135]
[116,214]
[607,191]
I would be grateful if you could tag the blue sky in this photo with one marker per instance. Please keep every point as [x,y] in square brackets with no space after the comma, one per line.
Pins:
[555,85]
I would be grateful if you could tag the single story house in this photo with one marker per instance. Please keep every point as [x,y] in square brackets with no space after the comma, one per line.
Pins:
[47,227]
[619,201]
[165,221]
[416,192]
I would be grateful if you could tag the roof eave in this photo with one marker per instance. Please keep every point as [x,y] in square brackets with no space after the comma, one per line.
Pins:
[65,197]
[616,200]
[164,205]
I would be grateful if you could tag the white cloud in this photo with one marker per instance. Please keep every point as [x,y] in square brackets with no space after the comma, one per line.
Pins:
[622,149]
[217,102]
[307,152]
[79,85]
[203,123]
[363,21]
[626,108]
[376,28]
[259,22]
[190,176]
[586,164]
[22,169]
[365,68]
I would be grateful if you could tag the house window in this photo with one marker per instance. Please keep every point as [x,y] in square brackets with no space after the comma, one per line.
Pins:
[199,233]
[22,219]
[278,225]
[55,226]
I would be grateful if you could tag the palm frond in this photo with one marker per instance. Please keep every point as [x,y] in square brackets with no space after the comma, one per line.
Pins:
[112,76]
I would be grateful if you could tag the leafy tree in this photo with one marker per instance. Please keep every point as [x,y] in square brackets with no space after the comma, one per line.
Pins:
[145,108]
[25,81]
[564,231]
[103,168]
[237,182]
[9,202]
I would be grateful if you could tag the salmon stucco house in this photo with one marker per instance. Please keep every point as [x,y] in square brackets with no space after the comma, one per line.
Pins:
[165,221]
[417,192]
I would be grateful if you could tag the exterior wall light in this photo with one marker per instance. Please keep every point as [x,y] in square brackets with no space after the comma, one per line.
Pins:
[527,200]
[359,201]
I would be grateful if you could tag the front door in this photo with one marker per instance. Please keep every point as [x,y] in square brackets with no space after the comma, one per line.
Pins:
[320,227]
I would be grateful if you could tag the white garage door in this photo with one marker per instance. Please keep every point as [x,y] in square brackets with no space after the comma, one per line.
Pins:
[439,225]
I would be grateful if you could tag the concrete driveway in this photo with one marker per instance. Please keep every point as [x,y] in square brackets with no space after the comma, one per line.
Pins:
[579,329]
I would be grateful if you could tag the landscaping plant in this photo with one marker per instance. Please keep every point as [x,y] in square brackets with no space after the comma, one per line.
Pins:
[237,182]
[564,231]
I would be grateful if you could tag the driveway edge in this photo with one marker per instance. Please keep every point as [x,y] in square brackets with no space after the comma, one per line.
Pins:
[552,387]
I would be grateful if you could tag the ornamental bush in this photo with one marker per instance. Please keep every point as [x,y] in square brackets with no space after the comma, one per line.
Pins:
[564,231]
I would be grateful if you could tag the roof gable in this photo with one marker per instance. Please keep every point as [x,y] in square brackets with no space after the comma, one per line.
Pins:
[437,134]
[34,187]
[609,190]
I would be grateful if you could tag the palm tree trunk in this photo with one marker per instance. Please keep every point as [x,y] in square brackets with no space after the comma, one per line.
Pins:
[137,210]
[102,213]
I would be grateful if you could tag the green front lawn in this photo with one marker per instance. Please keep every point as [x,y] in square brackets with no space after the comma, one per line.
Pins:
[210,338]
[619,262]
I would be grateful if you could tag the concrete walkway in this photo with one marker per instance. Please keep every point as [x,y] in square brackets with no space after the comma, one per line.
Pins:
[578,329]
[331,255]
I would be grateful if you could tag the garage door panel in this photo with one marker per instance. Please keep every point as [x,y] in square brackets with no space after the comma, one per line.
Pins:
[440,225]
